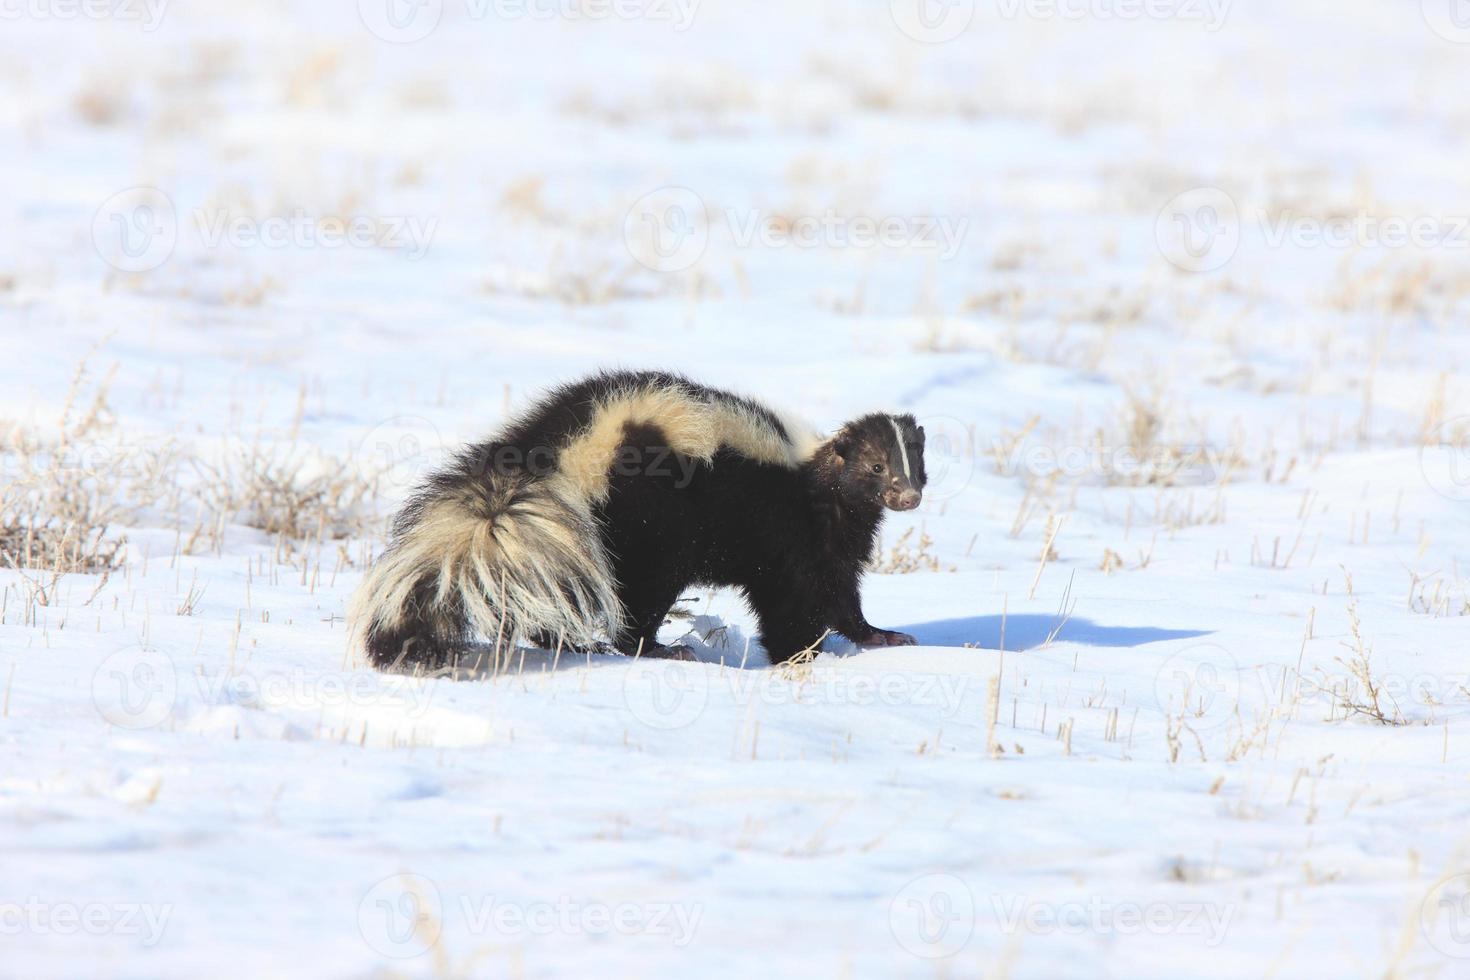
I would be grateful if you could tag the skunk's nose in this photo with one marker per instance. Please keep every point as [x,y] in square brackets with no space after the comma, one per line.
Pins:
[907,500]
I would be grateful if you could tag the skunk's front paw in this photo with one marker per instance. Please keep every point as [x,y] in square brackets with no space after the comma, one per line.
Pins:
[888,638]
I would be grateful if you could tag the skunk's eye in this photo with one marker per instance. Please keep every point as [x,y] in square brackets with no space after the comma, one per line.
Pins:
[877,467]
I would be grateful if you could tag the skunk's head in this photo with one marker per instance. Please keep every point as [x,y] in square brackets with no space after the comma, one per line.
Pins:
[880,459]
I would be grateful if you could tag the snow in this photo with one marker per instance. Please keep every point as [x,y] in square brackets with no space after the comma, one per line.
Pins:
[293,238]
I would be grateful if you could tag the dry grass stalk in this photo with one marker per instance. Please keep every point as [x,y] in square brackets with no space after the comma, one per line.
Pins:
[907,556]
[290,495]
[66,489]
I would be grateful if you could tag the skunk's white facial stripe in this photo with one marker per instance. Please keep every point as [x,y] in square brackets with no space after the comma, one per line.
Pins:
[903,451]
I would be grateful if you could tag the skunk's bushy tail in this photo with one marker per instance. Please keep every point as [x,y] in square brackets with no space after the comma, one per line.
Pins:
[480,551]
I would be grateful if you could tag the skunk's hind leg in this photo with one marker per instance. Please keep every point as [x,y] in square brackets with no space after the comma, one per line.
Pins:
[646,606]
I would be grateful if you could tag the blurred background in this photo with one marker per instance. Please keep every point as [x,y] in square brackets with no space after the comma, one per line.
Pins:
[397,198]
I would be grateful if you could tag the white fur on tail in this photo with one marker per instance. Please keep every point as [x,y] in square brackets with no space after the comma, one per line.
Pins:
[522,559]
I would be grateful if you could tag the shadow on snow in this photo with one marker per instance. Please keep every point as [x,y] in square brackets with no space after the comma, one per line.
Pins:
[1026,632]
[1022,632]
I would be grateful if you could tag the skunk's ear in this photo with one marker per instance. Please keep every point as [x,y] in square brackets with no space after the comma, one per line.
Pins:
[842,446]
[921,437]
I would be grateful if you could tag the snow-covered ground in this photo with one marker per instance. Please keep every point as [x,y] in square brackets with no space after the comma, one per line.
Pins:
[1179,287]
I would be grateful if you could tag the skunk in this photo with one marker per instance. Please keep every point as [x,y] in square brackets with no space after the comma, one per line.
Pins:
[589,516]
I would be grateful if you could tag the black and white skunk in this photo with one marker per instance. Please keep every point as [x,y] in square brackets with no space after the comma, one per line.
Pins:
[591,515]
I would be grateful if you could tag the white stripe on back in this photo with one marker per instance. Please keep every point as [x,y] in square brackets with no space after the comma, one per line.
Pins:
[902,449]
